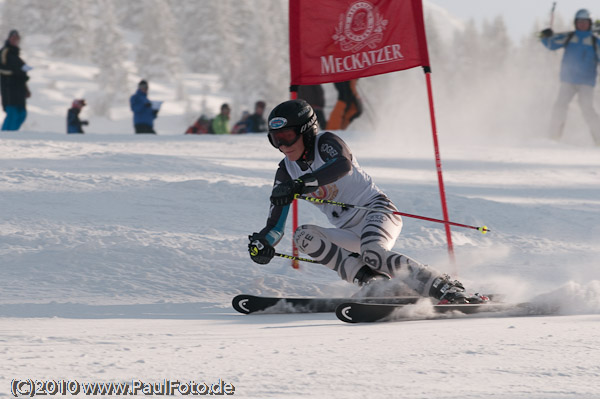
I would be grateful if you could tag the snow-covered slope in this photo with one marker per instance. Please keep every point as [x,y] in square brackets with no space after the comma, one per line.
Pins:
[110,219]
[119,254]
[115,227]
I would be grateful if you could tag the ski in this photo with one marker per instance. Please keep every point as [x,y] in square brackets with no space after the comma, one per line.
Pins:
[354,312]
[250,303]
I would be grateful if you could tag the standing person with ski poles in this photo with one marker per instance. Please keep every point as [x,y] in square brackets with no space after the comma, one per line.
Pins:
[578,73]
[359,247]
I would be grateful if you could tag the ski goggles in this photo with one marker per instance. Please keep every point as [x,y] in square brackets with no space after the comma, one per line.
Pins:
[286,137]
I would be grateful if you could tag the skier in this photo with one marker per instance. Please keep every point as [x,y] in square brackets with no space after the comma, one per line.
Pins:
[359,247]
[578,72]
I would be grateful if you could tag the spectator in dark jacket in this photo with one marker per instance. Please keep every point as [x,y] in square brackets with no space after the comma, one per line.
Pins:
[13,82]
[256,122]
[315,96]
[74,124]
[144,110]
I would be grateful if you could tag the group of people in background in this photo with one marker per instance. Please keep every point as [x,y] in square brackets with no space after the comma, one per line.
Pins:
[14,77]
[248,123]
[14,90]
[347,108]
[578,76]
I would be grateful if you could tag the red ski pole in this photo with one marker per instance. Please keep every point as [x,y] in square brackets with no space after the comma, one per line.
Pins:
[482,229]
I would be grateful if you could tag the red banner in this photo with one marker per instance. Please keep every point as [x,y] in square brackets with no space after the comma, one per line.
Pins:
[339,40]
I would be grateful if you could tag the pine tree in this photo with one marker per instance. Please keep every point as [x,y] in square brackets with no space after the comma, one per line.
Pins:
[109,53]
[27,16]
[69,29]
[262,70]
[467,54]
[199,34]
[497,46]
[130,13]
[159,51]
[275,55]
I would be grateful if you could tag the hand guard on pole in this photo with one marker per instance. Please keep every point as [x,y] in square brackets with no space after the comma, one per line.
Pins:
[260,250]
[284,193]
[546,33]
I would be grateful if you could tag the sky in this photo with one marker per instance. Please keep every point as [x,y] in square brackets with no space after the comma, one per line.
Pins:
[519,15]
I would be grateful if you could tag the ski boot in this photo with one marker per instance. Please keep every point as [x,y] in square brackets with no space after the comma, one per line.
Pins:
[371,282]
[452,292]
[366,275]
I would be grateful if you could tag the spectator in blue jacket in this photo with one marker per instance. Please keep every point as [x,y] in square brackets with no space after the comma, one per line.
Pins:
[13,82]
[74,124]
[144,111]
[577,74]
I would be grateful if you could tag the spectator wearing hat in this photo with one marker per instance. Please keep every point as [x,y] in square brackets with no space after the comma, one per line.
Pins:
[220,123]
[13,82]
[74,124]
[144,110]
[256,121]
[578,73]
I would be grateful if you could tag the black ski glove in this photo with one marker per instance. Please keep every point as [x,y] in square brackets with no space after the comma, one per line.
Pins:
[546,33]
[260,250]
[284,193]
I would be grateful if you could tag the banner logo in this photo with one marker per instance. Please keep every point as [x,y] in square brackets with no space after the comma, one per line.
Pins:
[327,192]
[360,31]
[361,26]
[277,123]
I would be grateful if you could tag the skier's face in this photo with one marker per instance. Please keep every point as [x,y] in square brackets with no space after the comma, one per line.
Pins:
[285,137]
[294,151]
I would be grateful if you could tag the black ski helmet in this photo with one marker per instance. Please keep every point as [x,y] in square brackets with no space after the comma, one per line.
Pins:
[297,115]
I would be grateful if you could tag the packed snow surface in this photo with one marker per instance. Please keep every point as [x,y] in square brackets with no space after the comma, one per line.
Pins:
[121,254]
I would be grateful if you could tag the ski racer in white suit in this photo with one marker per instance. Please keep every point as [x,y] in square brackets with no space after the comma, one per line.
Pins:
[359,247]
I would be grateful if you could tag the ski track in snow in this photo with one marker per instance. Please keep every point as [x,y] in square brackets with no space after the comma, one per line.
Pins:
[120,256]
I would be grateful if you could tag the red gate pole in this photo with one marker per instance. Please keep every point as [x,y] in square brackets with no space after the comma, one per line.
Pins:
[295,263]
[438,165]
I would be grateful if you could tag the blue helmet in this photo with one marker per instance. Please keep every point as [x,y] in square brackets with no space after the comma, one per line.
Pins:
[583,14]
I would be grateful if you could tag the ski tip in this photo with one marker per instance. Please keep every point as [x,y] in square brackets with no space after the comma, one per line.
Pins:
[240,302]
[344,312]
